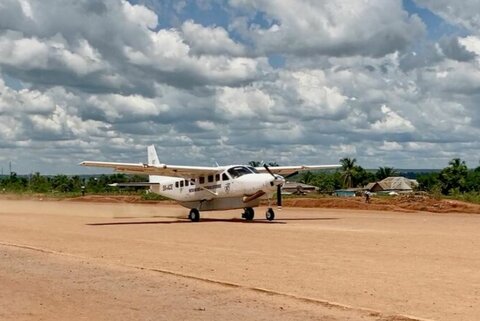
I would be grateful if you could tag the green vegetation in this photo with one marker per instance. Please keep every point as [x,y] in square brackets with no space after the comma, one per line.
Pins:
[68,185]
[454,181]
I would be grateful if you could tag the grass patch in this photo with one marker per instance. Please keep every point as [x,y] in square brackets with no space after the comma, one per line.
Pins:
[153,197]
[471,197]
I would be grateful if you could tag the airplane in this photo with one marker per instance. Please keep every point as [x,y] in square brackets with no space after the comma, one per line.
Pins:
[212,188]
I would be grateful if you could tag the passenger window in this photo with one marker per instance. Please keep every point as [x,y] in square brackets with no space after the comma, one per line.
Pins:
[210,178]
[186,183]
[193,181]
[181,184]
[176,184]
[225,177]
[201,179]
[217,177]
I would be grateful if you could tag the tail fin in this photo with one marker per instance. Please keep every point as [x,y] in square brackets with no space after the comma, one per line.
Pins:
[152,159]
[152,156]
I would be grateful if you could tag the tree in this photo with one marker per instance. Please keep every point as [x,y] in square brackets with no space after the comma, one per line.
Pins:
[361,177]
[62,183]
[254,163]
[348,171]
[39,183]
[384,172]
[307,177]
[428,182]
[453,177]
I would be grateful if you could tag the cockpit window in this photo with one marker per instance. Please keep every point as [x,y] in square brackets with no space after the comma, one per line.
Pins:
[253,169]
[238,171]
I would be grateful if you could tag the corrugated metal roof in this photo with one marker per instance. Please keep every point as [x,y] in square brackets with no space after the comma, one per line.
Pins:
[397,183]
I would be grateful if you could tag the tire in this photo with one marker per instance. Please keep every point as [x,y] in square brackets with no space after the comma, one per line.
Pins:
[249,214]
[270,214]
[194,215]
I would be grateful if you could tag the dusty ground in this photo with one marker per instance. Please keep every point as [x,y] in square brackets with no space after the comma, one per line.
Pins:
[96,261]
[400,203]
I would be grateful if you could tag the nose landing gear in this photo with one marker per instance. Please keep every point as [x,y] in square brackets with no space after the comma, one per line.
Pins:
[270,214]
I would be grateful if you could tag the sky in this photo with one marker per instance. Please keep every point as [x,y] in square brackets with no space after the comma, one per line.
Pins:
[388,82]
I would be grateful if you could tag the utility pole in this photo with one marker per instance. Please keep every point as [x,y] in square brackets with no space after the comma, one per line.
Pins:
[10,167]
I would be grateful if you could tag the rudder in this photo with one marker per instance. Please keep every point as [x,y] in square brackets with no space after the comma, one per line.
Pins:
[152,156]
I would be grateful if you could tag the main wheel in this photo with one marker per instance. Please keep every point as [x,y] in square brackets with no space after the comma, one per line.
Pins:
[270,215]
[194,215]
[249,213]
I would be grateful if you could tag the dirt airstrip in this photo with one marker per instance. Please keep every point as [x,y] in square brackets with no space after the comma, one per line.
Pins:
[123,260]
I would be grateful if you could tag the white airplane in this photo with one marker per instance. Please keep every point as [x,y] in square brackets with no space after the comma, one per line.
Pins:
[212,188]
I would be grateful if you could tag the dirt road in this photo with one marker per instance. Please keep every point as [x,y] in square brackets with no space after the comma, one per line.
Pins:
[66,260]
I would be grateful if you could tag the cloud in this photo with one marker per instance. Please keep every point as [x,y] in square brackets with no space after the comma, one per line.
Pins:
[103,79]
[210,40]
[335,28]
[463,13]
[392,122]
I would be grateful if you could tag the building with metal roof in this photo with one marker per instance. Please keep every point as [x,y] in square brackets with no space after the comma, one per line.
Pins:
[393,184]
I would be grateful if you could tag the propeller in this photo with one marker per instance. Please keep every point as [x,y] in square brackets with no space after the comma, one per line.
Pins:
[279,187]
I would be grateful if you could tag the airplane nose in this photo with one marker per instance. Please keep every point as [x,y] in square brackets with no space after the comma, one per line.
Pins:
[278,180]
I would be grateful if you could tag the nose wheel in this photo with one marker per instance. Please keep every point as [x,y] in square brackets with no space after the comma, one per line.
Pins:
[194,215]
[270,214]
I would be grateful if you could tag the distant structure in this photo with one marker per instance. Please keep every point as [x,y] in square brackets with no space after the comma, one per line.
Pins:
[348,192]
[298,188]
[397,184]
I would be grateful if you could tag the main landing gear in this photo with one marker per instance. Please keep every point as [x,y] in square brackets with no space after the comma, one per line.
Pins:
[194,215]
[248,214]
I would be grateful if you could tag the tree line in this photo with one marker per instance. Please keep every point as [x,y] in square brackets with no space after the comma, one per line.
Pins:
[454,179]
[37,183]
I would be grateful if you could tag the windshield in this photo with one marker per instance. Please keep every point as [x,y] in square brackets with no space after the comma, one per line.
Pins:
[238,171]
[253,169]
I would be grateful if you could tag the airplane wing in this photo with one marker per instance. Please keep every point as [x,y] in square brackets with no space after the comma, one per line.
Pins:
[288,170]
[161,170]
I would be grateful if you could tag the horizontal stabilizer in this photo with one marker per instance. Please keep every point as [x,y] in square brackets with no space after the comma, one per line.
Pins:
[134,184]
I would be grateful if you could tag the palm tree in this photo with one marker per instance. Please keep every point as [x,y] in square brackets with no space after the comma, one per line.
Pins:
[254,163]
[348,171]
[454,176]
[384,172]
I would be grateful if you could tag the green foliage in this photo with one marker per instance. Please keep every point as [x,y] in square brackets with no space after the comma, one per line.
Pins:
[348,171]
[153,197]
[453,177]
[13,183]
[384,172]
[354,175]
[327,182]
[39,183]
[254,163]
[36,183]
[455,180]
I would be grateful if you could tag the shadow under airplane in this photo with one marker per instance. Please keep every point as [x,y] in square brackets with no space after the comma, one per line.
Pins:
[213,220]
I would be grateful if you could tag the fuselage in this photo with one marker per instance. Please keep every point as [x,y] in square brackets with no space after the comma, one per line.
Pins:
[232,187]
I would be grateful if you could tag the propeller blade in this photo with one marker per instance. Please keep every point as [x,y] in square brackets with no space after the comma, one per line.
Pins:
[290,175]
[279,196]
[268,170]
